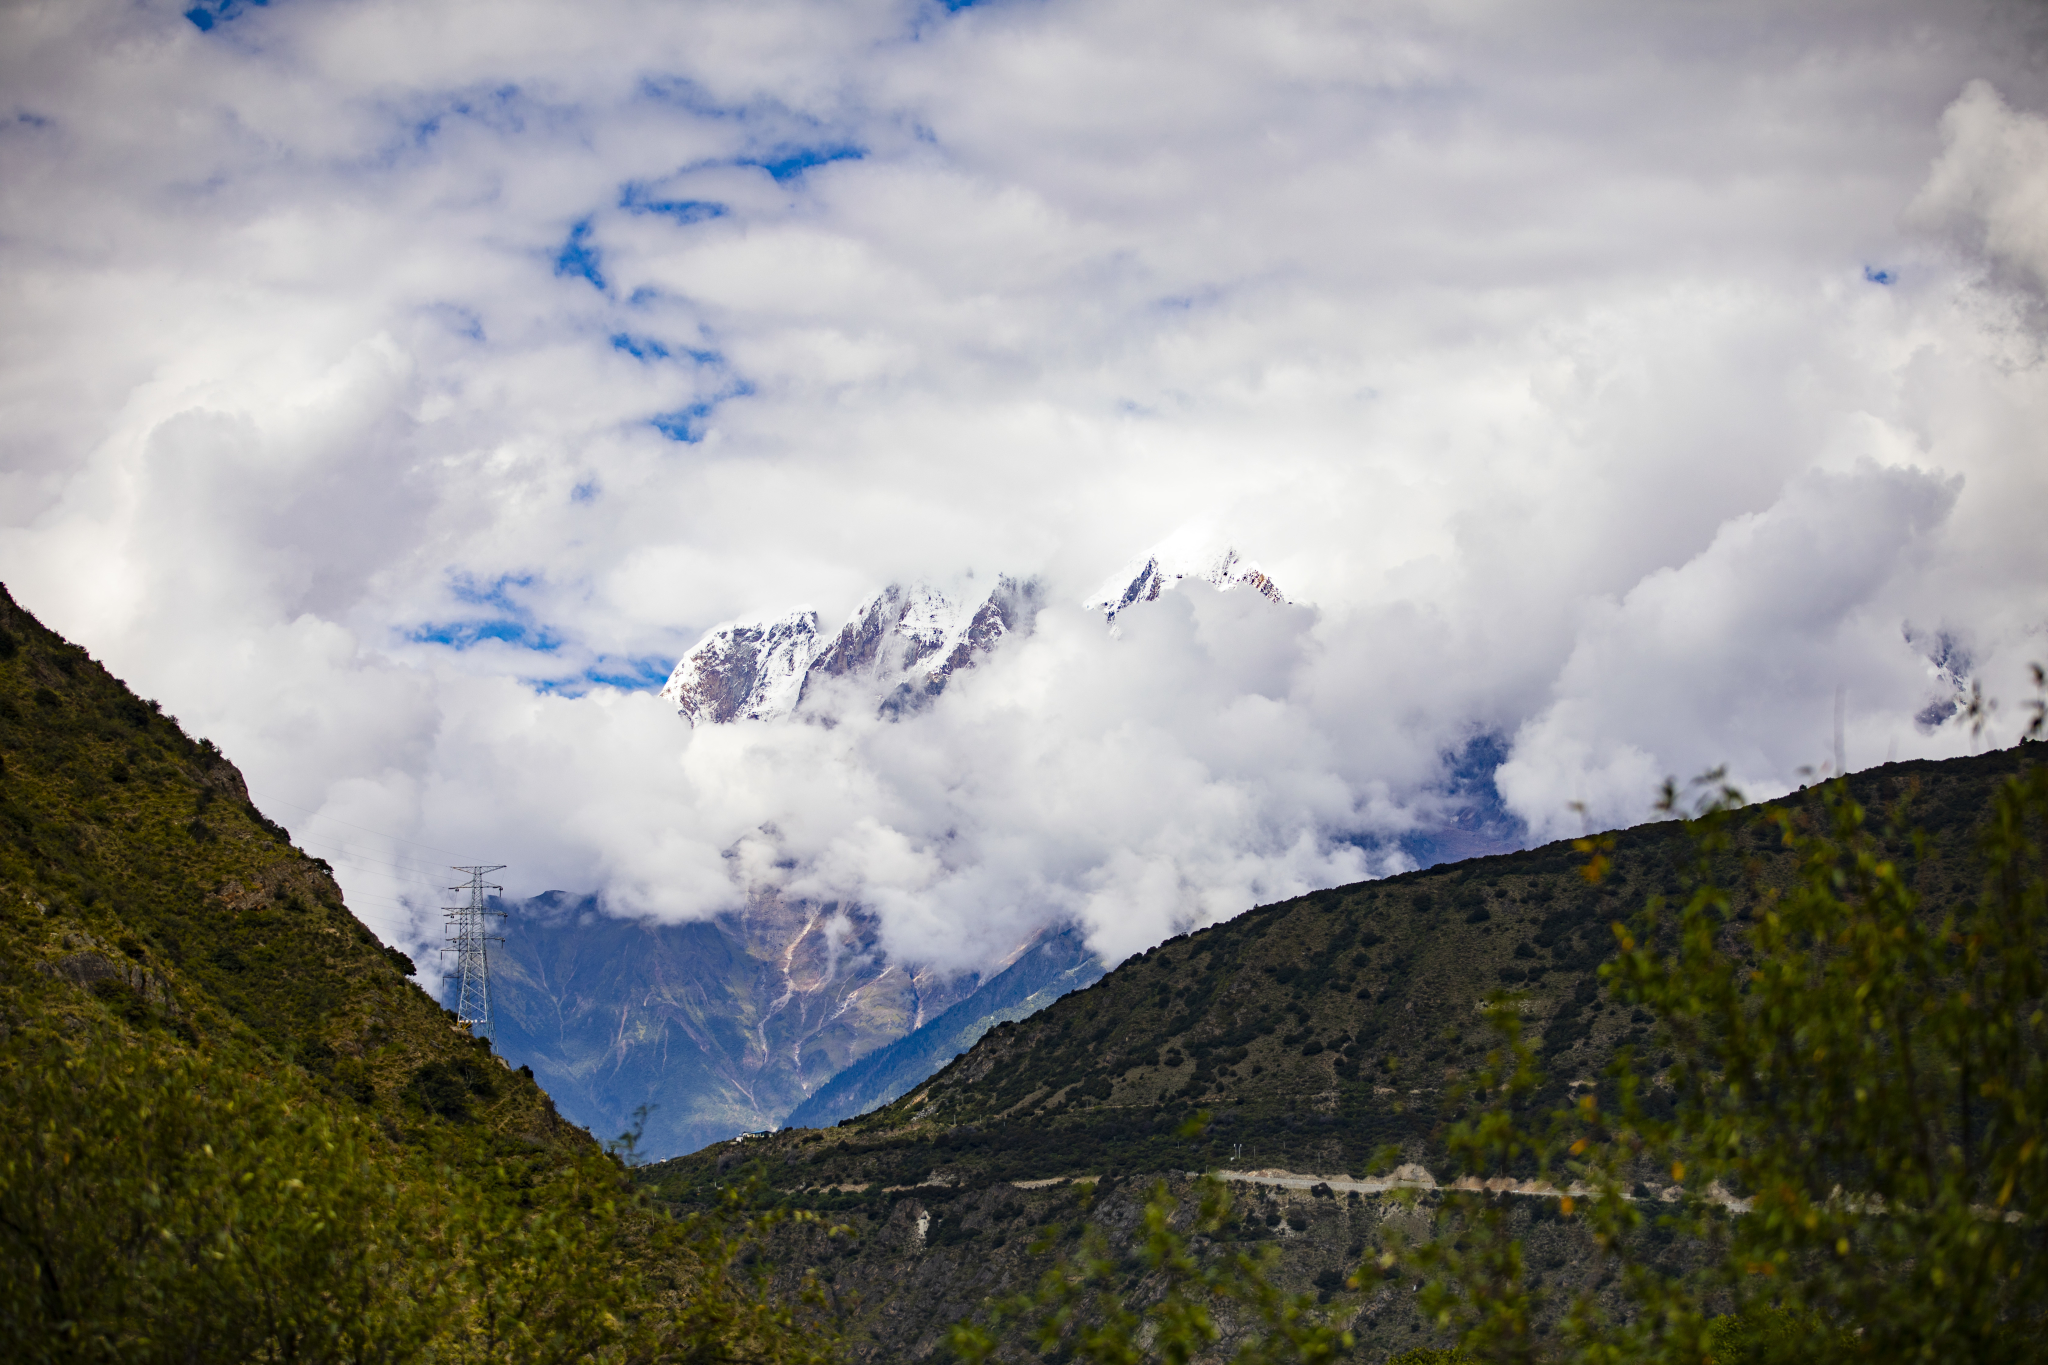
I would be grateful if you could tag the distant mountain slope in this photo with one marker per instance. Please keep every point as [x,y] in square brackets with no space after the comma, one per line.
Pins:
[1320,1028]
[1048,970]
[1315,1031]
[723,1025]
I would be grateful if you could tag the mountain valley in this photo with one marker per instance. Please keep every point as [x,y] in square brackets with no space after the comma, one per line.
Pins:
[155,924]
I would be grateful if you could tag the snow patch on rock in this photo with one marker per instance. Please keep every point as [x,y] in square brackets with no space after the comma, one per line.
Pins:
[745,670]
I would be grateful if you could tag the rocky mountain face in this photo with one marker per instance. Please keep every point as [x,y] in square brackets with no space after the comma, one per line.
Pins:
[896,652]
[902,646]
[722,1026]
[751,671]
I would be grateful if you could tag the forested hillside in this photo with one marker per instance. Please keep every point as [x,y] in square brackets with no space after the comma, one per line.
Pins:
[1323,1036]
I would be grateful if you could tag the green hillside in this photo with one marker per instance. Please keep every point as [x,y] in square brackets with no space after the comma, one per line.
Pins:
[231,1128]
[1317,1033]
[135,871]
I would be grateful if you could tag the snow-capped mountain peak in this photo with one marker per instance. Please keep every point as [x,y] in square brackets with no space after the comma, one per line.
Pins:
[900,647]
[745,670]
[898,650]
[1143,579]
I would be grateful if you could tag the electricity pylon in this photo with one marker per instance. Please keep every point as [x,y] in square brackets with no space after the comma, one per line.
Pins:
[468,940]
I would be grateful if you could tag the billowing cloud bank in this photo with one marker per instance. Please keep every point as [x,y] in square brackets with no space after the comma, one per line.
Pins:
[396,391]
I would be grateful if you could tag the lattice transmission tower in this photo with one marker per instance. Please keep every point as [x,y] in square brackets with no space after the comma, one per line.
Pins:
[469,939]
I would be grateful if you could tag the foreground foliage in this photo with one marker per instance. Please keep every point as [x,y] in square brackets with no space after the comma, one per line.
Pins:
[158,1204]
[1858,1133]
[1082,1304]
[1081,1307]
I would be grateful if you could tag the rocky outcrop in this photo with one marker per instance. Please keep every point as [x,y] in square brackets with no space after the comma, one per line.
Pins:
[903,645]
[93,970]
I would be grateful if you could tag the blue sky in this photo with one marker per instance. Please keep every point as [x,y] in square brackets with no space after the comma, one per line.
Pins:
[397,391]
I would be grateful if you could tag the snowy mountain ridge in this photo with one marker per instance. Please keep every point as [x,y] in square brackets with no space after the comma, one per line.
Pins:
[902,646]
[1143,579]
[898,650]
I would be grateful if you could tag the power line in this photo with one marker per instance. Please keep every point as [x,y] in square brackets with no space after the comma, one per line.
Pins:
[381,898]
[426,872]
[358,858]
[318,815]
[361,902]
[396,887]
[386,872]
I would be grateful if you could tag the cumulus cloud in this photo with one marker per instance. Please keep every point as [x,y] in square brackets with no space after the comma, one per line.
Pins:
[396,391]
[1727,660]
[1991,182]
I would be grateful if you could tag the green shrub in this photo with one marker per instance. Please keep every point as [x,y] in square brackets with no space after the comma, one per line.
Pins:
[163,1206]
[448,1087]
[1868,1079]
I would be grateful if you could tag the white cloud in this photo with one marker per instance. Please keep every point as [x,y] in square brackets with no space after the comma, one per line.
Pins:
[1733,658]
[1991,182]
[1618,385]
